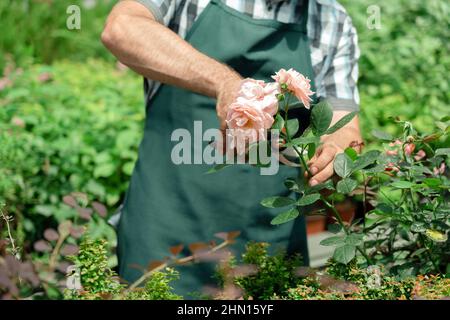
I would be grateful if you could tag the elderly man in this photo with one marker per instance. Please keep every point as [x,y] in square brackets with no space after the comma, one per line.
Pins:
[193,55]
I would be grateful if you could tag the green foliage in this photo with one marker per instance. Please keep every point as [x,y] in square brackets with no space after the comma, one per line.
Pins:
[275,272]
[97,279]
[76,131]
[157,287]
[408,233]
[99,282]
[404,65]
[36,31]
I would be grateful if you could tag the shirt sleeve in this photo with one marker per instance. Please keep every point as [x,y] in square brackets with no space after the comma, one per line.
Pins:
[162,10]
[339,86]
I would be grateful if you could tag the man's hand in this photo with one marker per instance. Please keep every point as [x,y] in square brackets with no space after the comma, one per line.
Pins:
[321,164]
[226,94]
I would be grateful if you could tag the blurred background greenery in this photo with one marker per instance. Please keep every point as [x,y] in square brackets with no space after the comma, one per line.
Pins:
[71,117]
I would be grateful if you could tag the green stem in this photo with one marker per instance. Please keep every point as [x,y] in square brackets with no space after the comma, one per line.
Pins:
[302,159]
[336,215]
[288,138]
[430,256]
[344,227]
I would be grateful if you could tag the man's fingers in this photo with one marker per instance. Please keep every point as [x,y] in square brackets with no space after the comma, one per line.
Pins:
[313,159]
[326,157]
[323,175]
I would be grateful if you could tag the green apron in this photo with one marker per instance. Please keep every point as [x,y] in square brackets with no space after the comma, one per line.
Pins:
[169,204]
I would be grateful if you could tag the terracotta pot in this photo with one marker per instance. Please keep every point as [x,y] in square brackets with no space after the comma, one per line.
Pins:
[346,209]
[315,224]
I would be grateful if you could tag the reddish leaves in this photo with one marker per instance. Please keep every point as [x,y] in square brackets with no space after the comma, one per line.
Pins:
[176,250]
[51,234]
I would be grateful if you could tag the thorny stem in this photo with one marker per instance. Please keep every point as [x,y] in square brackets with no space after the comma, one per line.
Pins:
[300,154]
[302,159]
[436,267]
[344,227]
[164,265]
[7,219]
[55,252]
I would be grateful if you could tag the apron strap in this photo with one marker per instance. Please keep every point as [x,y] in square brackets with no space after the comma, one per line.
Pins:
[301,10]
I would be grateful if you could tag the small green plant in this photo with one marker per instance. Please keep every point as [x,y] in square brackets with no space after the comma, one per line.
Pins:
[157,287]
[97,279]
[98,282]
[273,275]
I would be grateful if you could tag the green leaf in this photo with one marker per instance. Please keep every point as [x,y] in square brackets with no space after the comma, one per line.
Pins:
[342,122]
[334,228]
[418,252]
[343,165]
[294,185]
[305,140]
[344,254]
[354,239]
[418,227]
[104,170]
[128,168]
[311,150]
[436,236]
[402,184]
[442,152]
[306,200]
[321,116]
[382,135]
[217,168]
[351,153]
[333,241]
[292,127]
[279,122]
[346,185]
[366,159]
[277,202]
[285,216]
[324,185]
[432,182]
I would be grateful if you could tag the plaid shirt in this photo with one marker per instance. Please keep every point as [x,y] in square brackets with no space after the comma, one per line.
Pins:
[333,39]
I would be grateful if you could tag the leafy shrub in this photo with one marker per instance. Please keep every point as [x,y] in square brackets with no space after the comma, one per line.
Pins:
[157,287]
[403,65]
[407,184]
[99,282]
[36,31]
[66,128]
[274,274]
[97,279]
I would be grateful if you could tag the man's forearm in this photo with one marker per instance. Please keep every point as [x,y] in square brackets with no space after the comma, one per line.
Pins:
[151,49]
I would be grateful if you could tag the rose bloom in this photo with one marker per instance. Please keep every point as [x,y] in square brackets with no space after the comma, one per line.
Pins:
[296,83]
[409,148]
[247,124]
[391,152]
[392,167]
[440,170]
[395,143]
[259,95]
[252,113]
[420,155]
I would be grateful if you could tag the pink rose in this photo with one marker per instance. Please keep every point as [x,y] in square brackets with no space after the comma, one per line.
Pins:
[395,143]
[420,155]
[391,152]
[440,170]
[409,148]
[247,124]
[392,167]
[296,83]
[259,95]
